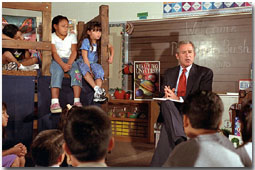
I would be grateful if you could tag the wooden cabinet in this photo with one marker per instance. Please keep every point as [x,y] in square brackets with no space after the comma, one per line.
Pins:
[140,128]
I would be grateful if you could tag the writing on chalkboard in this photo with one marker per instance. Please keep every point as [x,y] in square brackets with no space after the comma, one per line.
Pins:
[197,28]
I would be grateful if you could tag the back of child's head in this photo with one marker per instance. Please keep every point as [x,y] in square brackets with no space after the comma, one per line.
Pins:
[245,116]
[10,30]
[87,133]
[204,110]
[56,20]
[47,147]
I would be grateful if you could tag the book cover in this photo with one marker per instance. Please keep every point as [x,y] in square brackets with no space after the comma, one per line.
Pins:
[146,80]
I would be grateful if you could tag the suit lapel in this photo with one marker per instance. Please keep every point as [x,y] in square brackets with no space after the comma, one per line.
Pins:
[176,76]
[191,79]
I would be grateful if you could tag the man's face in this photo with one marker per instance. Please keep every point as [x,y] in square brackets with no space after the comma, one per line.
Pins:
[186,55]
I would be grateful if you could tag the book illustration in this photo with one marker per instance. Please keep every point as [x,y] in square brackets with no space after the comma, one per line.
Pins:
[146,79]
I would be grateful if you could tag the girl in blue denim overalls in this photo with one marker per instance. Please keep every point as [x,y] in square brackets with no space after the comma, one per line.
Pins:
[93,72]
[64,52]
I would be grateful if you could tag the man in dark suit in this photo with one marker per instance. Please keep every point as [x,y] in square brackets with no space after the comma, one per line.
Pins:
[179,82]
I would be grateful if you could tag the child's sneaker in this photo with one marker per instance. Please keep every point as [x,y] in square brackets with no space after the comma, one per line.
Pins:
[78,104]
[23,68]
[10,66]
[55,108]
[33,67]
[99,95]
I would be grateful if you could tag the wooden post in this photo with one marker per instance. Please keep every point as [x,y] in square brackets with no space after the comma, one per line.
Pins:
[104,18]
[80,29]
[46,36]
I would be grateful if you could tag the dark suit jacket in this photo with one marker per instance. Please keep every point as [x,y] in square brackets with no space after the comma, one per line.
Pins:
[200,78]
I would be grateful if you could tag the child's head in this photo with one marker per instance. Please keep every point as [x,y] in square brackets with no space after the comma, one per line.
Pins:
[5,116]
[204,110]
[245,116]
[88,134]
[64,116]
[13,31]
[47,148]
[60,25]
[94,30]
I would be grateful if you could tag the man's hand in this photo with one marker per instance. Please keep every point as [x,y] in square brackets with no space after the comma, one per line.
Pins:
[169,93]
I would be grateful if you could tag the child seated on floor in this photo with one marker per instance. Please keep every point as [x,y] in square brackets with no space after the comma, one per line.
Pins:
[245,150]
[88,137]
[15,156]
[202,116]
[17,59]
[47,148]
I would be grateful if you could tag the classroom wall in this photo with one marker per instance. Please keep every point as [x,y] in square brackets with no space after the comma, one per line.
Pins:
[85,11]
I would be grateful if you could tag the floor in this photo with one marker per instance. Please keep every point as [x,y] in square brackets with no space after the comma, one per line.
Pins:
[130,154]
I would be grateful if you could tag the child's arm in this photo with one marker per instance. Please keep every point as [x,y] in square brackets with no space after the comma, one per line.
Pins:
[5,37]
[73,54]
[65,67]
[111,49]
[27,54]
[19,150]
[85,57]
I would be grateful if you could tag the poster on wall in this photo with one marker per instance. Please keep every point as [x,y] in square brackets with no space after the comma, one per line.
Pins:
[146,80]
[27,25]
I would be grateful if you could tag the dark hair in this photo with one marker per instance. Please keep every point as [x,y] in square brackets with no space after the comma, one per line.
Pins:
[91,26]
[245,116]
[184,42]
[204,109]
[56,20]
[87,133]
[4,107]
[64,117]
[47,147]
[10,30]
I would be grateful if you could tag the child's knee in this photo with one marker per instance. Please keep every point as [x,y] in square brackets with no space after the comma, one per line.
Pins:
[7,54]
[16,162]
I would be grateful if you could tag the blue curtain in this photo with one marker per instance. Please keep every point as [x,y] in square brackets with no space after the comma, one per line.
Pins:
[18,94]
[47,120]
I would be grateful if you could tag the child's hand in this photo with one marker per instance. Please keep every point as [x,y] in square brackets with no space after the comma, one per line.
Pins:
[110,60]
[24,150]
[66,67]
[17,149]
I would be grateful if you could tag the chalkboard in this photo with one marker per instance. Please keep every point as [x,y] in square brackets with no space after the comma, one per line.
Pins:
[223,43]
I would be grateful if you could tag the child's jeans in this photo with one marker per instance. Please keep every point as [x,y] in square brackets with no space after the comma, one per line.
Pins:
[97,69]
[57,74]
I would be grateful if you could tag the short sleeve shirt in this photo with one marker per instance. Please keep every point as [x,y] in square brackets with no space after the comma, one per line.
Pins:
[92,54]
[63,46]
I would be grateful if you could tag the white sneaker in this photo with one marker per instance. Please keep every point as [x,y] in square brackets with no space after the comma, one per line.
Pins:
[99,95]
[23,68]
[33,67]
[28,68]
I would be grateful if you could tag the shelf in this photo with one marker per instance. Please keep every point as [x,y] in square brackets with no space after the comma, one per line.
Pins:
[128,119]
[145,125]
[19,73]
[125,101]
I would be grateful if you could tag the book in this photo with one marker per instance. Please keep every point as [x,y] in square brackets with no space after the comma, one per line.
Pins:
[165,99]
[146,80]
